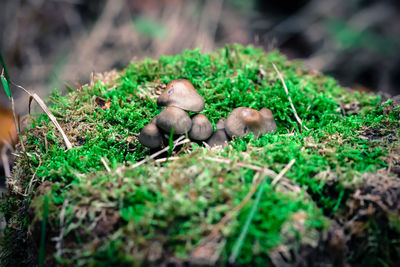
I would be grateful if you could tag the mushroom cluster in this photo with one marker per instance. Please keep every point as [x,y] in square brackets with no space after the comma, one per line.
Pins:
[179,97]
[240,122]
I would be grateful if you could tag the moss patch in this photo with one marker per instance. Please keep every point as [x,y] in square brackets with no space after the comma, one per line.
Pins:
[165,212]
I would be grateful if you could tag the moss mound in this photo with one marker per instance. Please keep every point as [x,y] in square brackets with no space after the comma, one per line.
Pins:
[339,202]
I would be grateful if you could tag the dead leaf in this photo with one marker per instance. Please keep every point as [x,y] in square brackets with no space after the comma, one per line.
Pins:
[8,132]
[103,104]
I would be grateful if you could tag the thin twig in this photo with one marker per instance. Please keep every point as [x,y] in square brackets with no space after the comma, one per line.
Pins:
[105,164]
[176,143]
[206,145]
[92,79]
[289,134]
[166,159]
[267,171]
[282,173]
[29,188]
[290,99]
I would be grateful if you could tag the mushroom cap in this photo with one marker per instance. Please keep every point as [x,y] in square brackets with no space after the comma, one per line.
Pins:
[174,118]
[244,120]
[221,124]
[219,137]
[150,136]
[201,128]
[269,118]
[180,93]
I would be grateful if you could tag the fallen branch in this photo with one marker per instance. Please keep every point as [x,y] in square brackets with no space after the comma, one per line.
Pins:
[289,98]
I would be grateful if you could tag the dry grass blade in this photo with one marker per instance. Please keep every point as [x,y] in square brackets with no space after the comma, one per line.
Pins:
[215,234]
[28,190]
[289,98]
[49,114]
[244,165]
[105,164]
[239,242]
[166,159]
[282,173]
[264,172]
[237,208]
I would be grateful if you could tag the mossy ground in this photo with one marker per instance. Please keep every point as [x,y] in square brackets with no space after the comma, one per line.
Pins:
[82,214]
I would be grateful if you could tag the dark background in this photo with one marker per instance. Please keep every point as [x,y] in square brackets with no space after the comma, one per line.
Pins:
[50,43]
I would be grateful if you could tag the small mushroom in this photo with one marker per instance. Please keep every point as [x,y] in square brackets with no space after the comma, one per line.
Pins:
[221,124]
[150,136]
[180,93]
[174,118]
[201,128]
[244,120]
[219,137]
[269,118]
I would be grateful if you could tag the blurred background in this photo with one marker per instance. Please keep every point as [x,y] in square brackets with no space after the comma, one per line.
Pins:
[50,43]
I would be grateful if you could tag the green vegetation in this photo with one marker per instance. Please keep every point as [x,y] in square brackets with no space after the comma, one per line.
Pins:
[165,210]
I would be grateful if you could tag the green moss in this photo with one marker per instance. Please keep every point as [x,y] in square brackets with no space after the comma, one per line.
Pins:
[173,206]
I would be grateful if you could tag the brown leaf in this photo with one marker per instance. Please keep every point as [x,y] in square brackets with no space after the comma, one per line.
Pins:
[103,104]
[8,132]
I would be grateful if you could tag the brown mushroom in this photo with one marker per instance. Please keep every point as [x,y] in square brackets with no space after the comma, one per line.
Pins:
[221,124]
[219,137]
[180,93]
[150,136]
[201,128]
[244,120]
[269,118]
[174,118]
